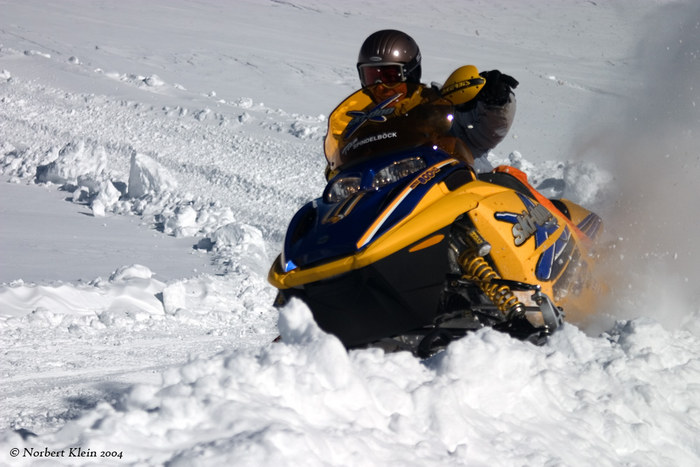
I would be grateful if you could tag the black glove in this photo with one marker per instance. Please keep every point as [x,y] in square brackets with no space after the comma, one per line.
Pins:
[497,89]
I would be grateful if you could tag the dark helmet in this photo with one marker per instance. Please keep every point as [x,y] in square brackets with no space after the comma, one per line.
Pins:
[389,56]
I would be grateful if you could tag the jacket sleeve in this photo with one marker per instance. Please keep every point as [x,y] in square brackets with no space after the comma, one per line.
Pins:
[482,127]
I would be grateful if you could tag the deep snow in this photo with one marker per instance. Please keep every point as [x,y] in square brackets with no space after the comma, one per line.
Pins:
[156,151]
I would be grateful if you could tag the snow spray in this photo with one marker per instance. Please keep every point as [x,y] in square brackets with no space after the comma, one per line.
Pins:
[653,151]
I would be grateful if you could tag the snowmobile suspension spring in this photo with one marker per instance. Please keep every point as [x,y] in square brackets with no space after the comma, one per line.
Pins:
[477,270]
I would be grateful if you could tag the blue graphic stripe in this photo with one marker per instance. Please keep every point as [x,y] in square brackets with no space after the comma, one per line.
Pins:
[590,225]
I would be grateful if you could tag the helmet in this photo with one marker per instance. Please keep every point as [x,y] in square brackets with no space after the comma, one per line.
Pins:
[389,56]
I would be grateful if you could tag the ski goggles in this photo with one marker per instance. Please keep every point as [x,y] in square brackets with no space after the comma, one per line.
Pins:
[385,72]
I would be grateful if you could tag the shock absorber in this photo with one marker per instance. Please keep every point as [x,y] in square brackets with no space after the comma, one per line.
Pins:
[477,270]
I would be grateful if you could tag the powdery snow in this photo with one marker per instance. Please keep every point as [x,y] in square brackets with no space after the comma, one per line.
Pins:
[156,153]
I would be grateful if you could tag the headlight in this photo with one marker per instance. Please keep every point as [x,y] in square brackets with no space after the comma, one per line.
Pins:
[397,171]
[343,188]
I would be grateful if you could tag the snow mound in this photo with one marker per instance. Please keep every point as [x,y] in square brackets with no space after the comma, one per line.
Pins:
[146,176]
[77,163]
[129,288]
[305,400]
[128,273]
[244,244]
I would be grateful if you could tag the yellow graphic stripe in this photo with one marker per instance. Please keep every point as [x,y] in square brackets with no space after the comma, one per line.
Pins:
[377,224]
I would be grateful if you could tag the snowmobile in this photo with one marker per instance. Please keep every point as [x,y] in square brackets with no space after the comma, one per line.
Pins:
[408,248]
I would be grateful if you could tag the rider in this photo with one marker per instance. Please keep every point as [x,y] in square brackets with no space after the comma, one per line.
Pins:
[390,56]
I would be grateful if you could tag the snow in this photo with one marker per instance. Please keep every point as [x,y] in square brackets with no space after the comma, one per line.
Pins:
[152,154]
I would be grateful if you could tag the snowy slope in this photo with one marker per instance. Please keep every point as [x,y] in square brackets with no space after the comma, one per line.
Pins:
[152,153]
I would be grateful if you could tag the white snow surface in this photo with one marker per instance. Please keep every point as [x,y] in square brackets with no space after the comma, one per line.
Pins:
[152,154]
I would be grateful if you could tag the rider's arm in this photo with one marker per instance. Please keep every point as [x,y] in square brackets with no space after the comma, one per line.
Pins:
[482,127]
